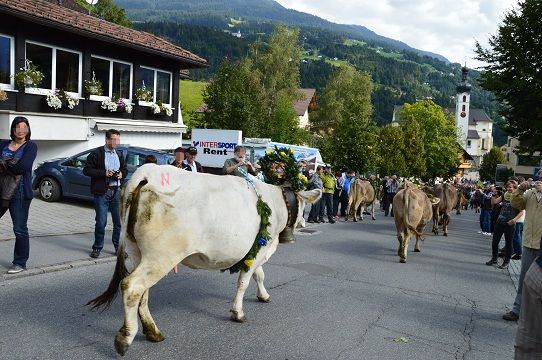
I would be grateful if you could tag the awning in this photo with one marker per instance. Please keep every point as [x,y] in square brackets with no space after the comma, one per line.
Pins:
[139,126]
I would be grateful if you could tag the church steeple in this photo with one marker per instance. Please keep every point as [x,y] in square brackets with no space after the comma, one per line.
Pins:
[463,86]
[462,107]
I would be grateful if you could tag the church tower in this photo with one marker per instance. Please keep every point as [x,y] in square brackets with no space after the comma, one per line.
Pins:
[462,107]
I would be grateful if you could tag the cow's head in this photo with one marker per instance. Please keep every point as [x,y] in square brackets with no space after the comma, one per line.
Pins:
[304,198]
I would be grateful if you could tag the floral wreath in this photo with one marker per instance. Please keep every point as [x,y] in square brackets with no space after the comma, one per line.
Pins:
[279,167]
[261,239]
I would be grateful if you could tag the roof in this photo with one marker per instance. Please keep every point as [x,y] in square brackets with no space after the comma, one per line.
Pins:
[478,115]
[473,134]
[52,15]
[301,105]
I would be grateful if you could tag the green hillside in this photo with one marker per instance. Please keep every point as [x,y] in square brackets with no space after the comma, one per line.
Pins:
[191,94]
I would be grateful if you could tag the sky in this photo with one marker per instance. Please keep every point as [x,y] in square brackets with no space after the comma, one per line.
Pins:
[446,27]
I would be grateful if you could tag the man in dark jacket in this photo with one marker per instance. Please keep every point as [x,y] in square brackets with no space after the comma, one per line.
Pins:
[190,163]
[106,168]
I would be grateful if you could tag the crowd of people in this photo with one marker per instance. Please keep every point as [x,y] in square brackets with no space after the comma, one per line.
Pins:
[514,211]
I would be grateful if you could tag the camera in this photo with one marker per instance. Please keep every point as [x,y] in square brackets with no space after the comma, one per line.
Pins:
[115,173]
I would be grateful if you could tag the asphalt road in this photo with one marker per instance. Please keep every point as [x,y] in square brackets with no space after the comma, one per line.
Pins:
[339,293]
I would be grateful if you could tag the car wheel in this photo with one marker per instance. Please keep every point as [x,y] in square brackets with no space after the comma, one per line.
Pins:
[49,189]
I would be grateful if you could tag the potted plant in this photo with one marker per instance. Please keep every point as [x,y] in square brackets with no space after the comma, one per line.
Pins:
[143,93]
[61,98]
[29,76]
[93,87]
[159,108]
[116,104]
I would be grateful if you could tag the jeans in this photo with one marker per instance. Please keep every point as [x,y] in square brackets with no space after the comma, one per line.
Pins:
[110,201]
[315,210]
[518,239]
[498,231]
[527,259]
[388,201]
[336,201]
[485,220]
[18,209]
[328,201]
[344,202]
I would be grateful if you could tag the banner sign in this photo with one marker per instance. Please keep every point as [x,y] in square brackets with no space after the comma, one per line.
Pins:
[310,155]
[215,146]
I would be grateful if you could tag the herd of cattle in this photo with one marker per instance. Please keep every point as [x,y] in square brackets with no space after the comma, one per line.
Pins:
[204,221]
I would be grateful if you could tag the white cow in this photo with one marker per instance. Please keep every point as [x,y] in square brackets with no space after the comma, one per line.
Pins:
[204,221]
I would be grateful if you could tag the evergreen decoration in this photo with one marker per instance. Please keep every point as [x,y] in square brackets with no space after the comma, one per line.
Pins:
[279,167]
[261,239]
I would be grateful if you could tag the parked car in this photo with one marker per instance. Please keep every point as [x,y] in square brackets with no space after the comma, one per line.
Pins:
[64,177]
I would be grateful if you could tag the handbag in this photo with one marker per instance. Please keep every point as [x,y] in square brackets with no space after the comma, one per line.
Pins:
[9,182]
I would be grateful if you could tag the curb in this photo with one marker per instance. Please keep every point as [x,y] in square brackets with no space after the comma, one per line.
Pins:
[59,267]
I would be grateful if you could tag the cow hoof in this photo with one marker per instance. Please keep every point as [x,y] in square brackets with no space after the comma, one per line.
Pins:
[416,250]
[402,261]
[121,347]
[262,300]
[445,234]
[355,220]
[154,337]
[374,218]
[235,317]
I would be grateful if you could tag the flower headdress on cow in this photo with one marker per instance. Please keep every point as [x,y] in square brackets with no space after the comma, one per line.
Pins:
[279,167]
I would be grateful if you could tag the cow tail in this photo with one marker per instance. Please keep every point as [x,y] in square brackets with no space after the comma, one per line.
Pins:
[130,199]
[406,200]
[106,299]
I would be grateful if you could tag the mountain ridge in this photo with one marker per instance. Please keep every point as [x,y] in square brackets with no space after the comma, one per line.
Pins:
[190,12]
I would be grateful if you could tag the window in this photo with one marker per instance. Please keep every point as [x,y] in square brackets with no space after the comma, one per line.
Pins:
[61,68]
[134,160]
[159,82]
[483,144]
[527,160]
[116,76]
[463,108]
[7,62]
[468,144]
[464,98]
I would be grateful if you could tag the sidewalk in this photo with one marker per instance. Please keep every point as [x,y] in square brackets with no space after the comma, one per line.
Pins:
[61,237]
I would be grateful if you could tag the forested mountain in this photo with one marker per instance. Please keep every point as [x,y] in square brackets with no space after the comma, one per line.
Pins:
[400,75]
[217,13]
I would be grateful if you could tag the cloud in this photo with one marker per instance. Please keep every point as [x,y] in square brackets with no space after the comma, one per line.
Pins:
[446,27]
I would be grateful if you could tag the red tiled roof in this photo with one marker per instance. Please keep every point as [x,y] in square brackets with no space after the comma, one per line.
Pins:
[50,14]
[302,104]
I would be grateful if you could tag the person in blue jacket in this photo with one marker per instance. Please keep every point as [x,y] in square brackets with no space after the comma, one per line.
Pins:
[21,148]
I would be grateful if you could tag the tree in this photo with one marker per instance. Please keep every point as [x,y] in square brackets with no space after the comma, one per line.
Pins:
[413,149]
[513,72]
[108,10]
[235,99]
[350,140]
[391,148]
[439,138]
[489,163]
[256,94]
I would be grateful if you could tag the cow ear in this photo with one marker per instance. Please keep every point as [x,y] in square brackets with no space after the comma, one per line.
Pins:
[310,196]
[434,200]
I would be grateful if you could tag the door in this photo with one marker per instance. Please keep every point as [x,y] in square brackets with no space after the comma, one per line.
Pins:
[77,184]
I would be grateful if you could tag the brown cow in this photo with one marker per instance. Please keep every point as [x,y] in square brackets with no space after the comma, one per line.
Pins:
[462,202]
[412,210]
[447,194]
[361,193]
